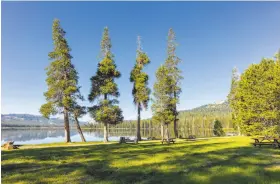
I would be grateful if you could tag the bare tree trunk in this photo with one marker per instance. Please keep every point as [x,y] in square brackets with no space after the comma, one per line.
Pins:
[162,131]
[105,133]
[175,120]
[105,126]
[204,126]
[79,129]
[138,134]
[193,130]
[66,125]
[187,125]
[176,128]
[238,127]
[167,132]
[150,129]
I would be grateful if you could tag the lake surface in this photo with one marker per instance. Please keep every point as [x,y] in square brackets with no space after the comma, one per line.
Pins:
[39,136]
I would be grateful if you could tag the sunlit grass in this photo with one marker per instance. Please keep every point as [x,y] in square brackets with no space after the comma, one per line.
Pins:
[216,160]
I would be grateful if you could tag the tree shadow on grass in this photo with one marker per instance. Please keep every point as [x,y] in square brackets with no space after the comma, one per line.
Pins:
[94,164]
[231,169]
[103,150]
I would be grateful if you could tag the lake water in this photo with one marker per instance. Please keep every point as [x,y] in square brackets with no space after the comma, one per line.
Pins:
[39,136]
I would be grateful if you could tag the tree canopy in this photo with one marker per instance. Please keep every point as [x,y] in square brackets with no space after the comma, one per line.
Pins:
[257,104]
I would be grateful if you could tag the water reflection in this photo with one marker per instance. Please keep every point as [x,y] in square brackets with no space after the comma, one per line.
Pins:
[39,136]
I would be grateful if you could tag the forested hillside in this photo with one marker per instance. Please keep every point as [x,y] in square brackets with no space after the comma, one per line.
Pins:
[216,108]
[198,121]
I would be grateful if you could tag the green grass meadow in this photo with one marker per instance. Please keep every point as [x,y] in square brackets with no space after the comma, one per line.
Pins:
[215,160]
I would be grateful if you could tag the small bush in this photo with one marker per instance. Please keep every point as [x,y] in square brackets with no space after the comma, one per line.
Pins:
[218,128]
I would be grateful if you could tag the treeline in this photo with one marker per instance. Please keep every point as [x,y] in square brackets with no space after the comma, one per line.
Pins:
[254,98]
[198,122]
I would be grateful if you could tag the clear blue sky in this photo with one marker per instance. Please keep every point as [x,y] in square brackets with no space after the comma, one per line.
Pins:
[213,37]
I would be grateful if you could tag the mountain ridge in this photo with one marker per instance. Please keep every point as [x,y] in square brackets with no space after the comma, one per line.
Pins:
[30,120]
[218,107]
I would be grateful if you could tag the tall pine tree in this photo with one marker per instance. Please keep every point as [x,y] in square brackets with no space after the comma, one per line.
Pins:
[104,90]
[231,96]
[171,64]
[163,96]
[62,79]
[140,89]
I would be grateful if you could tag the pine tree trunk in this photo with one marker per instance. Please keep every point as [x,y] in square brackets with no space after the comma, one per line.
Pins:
[204,126]
[138,134]
[176,128]
[66,125]
[105,126]
[162,131]
[175,120]
[105,133]
[79,129]
[150,129]
[167,132]
[193,129]
[238,127]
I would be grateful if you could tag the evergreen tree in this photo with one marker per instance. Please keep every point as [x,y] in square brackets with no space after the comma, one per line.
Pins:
[140,89]
[231,97]
[171,64]
[277,57]
[162,107]
[218,128]
[62,79]
[258,97]
[104,90]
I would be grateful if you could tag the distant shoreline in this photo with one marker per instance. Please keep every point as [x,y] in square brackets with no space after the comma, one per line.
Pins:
[59,127]
[23,128]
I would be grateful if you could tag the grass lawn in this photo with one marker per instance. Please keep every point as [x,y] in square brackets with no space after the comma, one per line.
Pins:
[216,160]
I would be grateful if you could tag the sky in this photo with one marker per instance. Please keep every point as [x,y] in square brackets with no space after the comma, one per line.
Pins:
[213,37]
